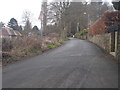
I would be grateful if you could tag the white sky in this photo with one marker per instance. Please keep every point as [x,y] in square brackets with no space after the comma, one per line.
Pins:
[15,8]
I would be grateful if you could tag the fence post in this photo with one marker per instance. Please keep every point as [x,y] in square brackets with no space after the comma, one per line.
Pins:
[118,45]
[113,42]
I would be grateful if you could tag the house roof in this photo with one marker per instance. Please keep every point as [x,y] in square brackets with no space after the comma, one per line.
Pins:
[6,31]
[114,28]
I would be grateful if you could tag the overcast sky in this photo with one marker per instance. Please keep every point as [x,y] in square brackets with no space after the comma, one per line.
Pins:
[15,8]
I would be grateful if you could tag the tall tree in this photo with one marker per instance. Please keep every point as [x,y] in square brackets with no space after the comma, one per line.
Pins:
[71,17]
[116,4]
[20,28]
[35,28]
[95,10]
[44,13]
[26,19]
[13,24]
[27,27]
[1,24]
[56,14]
[26,16]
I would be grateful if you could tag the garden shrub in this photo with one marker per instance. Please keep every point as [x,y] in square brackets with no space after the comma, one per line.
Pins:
[6,44]
[101,25]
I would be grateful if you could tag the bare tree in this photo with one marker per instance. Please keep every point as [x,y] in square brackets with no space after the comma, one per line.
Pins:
[56,15]
[26,16]
[43,16]
[26,19]
[71,17]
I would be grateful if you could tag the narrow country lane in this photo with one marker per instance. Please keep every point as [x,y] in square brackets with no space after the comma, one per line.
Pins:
[77,64]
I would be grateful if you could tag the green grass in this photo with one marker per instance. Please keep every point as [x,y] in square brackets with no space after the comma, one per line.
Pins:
[65,39]
[61,41]
[53,46]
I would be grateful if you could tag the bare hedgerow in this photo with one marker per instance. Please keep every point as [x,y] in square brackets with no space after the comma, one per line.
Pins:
[16,48]
[6,44]
[26,46]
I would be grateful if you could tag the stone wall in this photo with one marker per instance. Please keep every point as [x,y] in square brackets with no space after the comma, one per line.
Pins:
[104,41]
[108,42]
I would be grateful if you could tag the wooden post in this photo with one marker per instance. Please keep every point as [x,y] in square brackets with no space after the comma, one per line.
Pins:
[118,45]
[113,42]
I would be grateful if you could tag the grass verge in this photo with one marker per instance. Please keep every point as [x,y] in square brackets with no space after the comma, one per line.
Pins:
[26,47]
[53,46]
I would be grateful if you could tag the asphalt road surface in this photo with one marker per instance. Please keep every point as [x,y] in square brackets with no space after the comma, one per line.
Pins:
[76,64]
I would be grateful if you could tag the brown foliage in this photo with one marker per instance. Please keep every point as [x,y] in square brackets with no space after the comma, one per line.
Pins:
[109,18]
[25,46]
[21,47]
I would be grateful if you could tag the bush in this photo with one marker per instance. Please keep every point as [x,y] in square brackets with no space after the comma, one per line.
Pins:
[16,48]
[6,44]
[101,25]
[66,39]
[61,41]
[83,32]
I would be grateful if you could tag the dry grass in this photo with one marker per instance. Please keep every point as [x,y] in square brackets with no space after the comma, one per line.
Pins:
[26,46]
